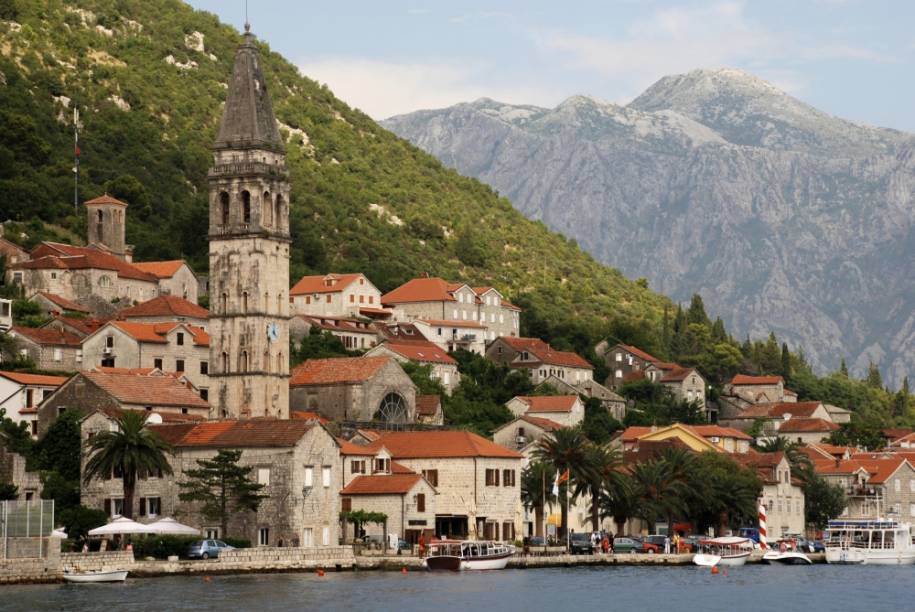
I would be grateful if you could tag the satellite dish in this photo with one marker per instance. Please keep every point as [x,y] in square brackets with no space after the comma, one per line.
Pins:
[154,419]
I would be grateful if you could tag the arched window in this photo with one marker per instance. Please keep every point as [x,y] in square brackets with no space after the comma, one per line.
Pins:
[243,365]
[224,207]
[225,303]
[393,409]
[267,209]
[225,362]
[246,207]
[244,301]
[99,216]
[278,211]
[279,362]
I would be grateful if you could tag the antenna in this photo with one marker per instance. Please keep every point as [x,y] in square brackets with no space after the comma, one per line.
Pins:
[247,23]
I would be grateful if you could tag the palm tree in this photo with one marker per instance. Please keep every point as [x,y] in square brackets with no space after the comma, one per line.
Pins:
[564,449]
[537,488]
[659,489]
[599,465]
[131,450]
[618,500]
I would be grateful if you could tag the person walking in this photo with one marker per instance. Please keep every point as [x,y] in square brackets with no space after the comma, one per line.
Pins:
[605,544]
[666,545]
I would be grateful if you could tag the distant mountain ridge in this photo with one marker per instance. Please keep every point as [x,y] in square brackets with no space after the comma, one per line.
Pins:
[783,217]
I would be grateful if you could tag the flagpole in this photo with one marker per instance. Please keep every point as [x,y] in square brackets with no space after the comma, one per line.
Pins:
[75,160]
[543,503]
[568,517]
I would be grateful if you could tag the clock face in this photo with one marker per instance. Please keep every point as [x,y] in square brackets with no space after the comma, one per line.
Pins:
[273,332]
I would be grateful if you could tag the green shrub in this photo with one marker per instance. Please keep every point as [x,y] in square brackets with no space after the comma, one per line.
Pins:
[237,542]
[161,546]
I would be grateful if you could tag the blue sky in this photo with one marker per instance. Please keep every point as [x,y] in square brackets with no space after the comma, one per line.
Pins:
[851,58]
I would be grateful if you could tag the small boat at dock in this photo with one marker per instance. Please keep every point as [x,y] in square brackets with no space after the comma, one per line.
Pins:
[96,576]
[457,555]
[728,551]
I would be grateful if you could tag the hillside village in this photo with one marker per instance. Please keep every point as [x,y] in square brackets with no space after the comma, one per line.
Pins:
[366,427]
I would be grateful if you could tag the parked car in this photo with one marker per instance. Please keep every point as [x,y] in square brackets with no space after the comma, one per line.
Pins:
[206,549]
[690,543]
[580,544]
[624,544]
[807,545]
[657,541]
[536,541]
[649,547]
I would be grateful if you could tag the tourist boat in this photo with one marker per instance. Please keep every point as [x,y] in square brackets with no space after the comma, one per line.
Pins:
[97,576]
[729,551]
[869,542]
[456,555]
[786,557]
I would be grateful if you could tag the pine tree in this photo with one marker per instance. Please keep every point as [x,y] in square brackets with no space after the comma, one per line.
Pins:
[719,333]
[843,369]
[696,312]
[223,487]
[873,378]
[786,361]
[770,357]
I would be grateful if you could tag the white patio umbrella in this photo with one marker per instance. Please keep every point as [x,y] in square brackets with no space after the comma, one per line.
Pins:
[170,526]
[59,533]
[119,526]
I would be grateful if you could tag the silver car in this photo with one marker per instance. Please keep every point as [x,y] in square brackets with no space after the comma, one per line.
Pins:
[206,549]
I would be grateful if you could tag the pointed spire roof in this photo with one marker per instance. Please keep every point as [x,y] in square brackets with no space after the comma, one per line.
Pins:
[248,120]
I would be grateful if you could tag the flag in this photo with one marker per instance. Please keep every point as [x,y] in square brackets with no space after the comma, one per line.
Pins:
[564,477]
[556,485]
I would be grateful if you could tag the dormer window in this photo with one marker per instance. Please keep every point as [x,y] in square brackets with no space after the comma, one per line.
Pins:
[381,466]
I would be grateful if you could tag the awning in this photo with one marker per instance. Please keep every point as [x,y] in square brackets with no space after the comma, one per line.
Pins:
[121,525]
[170,526]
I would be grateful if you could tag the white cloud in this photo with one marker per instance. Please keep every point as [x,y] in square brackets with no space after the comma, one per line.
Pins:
[384,88]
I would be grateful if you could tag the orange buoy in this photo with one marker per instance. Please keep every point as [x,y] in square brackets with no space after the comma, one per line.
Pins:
[207,579]
[403,570]
[321,572]
[715,569]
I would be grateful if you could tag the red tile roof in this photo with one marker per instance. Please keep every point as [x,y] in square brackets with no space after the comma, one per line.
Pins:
[82,326]
[63,303]
[47,336]
[354,326]
[66,256]
[807,425]
[160,269]
[544,353]
[24,378]
[336,371]
[135,388]
[677,374]
[544,424]
[432,289]
[744,379]
[709,431]
[249,433]
[639,353]
[307,415]
[780,409]
[388,484]
[428,405]
[105,199]
[549,403]
[165,306]
[422,351]
[323,283]
[436,444]
[349,448]
[157,332]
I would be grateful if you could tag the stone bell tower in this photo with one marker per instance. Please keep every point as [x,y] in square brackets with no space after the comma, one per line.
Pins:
[107,222]
[249,252]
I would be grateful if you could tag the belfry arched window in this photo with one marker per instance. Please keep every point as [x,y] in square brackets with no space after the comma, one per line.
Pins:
[225,362]
[246,206]
[393,409]
[224,207]
[243,364]
[267,209]
[278,211]
[225,303]
[244,301]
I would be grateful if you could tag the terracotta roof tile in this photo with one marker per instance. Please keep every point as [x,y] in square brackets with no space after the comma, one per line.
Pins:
[745,379]
[428,405]
[105,199]
[348,448]
[544,424]
[307,415]
[677,374]
[63,303]
[323,283]
[250,433]
[24,378]
[779,409]
[422,351]
[638,353]
[547,354]
[345,324]
[165,306]
[708,431]
[421,290]
[81,258]
[335,371]
[82,326]
[157,332]
[146,390]
[549,403]
[47,336]
[807,425]
[434,444]
[388,484]
[160,269]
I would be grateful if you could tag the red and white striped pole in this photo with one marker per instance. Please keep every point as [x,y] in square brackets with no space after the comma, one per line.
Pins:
[763,544]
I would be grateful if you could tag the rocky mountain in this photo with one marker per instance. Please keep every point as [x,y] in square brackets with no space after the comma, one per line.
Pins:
[782,217]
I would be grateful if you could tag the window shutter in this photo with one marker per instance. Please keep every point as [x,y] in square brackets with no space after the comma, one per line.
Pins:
[347,504]
[142,506]
[495,474]
[108,506]
[421,503]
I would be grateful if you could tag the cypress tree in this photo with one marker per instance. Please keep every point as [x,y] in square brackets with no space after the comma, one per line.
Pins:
[843,369]
[786,361]
[696,312]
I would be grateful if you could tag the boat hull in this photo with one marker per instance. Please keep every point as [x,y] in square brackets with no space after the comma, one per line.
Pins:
[704,560]
[494,562]
[734,560]
[786,558]
[85,577]
[861,556]
[443,563]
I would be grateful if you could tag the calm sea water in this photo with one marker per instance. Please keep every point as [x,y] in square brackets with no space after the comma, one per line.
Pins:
[750,588]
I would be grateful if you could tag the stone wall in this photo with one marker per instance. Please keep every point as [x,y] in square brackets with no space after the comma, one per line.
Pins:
[97,561]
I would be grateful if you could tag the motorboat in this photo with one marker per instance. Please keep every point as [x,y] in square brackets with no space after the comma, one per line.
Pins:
[786,557]
[457,555]
[728,551]
[869,542]
[96,576]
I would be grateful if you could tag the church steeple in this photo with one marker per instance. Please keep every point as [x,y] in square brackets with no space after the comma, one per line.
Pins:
[248,120]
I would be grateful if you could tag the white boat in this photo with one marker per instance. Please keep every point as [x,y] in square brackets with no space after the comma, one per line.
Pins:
[869,542]
[786,557]
[728,551]
[456,555]
[97,576]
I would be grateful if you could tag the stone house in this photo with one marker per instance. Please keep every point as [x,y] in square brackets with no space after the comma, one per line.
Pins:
[523,433]
[774,415]
[49,348]
[685,384]
[355,334]
[175,347]
[807,430]
[175,278]
[782,494]
[614,403]
[122,389]
[13,471]
[429,410]
[836,414]
[478,481]
[166,309]
[354,389]
[453,335]
[444,367]
[374,483]
[436,300]
[297,461]
[21,394]
[10,251]
[56,305]
[888,490]
[622,361]
[540,359]
[566,410]
[757,389]
[334,295]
